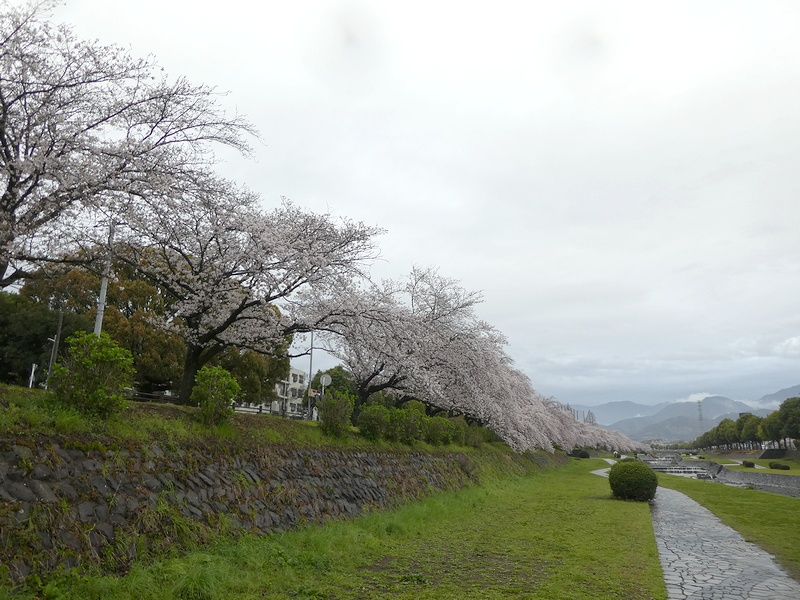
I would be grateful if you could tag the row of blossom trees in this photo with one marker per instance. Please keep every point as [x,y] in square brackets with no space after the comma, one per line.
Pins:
[90,135]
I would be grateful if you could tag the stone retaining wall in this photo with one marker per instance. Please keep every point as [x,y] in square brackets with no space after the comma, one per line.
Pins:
[788,485]
[63,508]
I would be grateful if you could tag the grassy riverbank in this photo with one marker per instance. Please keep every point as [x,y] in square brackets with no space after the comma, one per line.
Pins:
[556,535]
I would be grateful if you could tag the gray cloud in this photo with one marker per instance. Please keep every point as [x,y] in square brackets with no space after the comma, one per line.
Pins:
[619,179]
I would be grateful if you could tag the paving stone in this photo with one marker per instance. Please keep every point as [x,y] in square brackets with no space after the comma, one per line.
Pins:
[702,558]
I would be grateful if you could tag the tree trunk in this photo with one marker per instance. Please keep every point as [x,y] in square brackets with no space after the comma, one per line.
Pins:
[191,365]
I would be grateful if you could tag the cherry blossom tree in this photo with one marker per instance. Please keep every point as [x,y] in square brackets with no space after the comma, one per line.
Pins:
[82,124]
[422,339]
[233,272]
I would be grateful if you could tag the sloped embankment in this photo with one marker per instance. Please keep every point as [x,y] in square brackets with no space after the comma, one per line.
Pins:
[67,505]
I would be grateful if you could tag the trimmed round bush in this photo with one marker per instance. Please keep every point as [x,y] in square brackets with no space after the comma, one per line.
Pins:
[779,466]
[748,464]
[583,454]
[633,481]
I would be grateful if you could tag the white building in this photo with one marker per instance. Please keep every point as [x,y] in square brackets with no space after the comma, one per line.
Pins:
[290,394]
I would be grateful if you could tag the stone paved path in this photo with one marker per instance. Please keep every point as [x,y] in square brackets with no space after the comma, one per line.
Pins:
[704,559]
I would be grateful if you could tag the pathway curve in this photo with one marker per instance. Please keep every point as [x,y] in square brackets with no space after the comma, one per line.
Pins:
[704,559]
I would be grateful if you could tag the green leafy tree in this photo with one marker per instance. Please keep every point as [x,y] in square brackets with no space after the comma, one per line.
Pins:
[214,392]
[789,412]
[727,432]
[341,381]
[771,427]
[26,332]
[256,373]
[133,306]
[95,376]
[749,429]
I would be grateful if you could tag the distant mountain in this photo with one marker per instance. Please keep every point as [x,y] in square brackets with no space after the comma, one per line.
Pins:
[611,412]
[680,420]
[774,400]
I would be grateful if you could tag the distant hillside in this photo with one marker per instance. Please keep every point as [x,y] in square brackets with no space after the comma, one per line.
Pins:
[680,420]
[774,400]
[611,412]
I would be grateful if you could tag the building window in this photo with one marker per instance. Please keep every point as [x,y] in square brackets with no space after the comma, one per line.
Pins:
[294,377]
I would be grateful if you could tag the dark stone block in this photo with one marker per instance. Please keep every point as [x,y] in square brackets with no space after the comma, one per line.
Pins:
[67,491]
[23,513]
[91,465]
[5,496]
[41,472]
[45,540]
[152,483]
[107,530]
[100,485]
[69,540]
[20,491]
[16,474]
[86,511]
[192,498]
[101,511]
[118,520]
[43,491]
[61,472]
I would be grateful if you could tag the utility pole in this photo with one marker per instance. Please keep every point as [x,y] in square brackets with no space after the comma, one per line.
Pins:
[54,351]
[310,374]
[101,300]
[700,415]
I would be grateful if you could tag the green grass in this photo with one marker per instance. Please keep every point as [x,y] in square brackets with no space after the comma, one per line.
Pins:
[557,534]
[793,464]
[28,413]
[769,520]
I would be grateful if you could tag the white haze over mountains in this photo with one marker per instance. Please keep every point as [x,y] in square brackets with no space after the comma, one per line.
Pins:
[620,178]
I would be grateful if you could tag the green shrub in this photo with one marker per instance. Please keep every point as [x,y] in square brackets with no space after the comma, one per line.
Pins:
[748,464]
[335,410]
[583,454]
[779,466]
[474,436]
[438,432]
[373,421]
[629,459]
[633,481]
[407,425]
[458,432]
[214,392]
[95,376]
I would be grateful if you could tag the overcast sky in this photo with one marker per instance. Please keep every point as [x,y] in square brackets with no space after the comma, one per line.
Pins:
[620,179]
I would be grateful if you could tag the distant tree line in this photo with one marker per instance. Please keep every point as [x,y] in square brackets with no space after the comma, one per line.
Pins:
[751,431]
